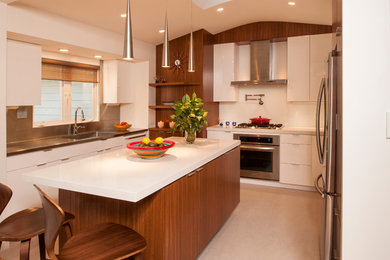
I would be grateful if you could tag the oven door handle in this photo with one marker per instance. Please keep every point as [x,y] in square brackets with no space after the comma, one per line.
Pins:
[257,148]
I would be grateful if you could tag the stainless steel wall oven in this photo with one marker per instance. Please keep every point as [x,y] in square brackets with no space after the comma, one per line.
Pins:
[259,156]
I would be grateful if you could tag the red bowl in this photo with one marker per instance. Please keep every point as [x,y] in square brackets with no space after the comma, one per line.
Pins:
[150,152]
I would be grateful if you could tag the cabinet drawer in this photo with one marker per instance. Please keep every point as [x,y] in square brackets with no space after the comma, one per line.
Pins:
[26,160]
[295,139]
[296,154]
[220,135]
[296,174]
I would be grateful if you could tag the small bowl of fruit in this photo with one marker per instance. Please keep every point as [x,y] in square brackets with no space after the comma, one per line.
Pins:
[151,149]
[122,126]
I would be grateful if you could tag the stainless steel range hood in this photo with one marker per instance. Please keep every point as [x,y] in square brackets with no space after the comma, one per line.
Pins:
[268,64]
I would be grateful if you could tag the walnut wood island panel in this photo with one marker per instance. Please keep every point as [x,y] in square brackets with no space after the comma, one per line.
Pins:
[177,220]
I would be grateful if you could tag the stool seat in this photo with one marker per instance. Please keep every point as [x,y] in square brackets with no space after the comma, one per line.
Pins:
[104,241]
[25,224]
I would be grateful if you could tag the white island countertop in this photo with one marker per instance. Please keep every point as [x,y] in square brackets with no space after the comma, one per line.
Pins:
[122,175]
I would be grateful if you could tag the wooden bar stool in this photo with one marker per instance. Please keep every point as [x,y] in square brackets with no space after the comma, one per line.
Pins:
[105,241]
[24,225]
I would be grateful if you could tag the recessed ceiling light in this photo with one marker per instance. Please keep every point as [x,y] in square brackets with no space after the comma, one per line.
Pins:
[98,56]
[291,3]
[63,50]
[161,31]
[220,9]
[123,15]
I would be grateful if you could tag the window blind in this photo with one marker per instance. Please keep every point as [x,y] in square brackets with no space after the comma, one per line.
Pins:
[69,71]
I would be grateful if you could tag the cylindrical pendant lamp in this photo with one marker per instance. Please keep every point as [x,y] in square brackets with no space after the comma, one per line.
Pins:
[128,53]
[165,52]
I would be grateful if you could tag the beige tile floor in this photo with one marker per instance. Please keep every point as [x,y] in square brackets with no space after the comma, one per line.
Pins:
[268,224]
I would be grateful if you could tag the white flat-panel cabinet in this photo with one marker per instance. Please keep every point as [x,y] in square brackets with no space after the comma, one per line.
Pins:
[120,79]
[307,65]
[299,164]
[320,46]
[225,58]
[23,73]
[226,135]
[298,62]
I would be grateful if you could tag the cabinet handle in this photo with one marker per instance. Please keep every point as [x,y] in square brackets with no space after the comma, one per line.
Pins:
[48,150]
[191,173]
[65,159]
[42,164]
[108,149]
[99,151]
[199,169]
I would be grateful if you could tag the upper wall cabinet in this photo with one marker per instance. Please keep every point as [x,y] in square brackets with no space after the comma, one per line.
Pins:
[225,57]
[307,65]
[23,74]
[120,80]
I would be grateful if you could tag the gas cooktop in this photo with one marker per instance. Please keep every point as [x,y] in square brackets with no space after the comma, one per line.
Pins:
[253,126]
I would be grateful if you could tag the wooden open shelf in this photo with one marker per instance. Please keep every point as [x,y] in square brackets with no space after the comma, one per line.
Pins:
[161,107]
[172,84]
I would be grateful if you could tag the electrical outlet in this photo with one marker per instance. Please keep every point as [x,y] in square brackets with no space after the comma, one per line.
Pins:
[388,125]
[21,113]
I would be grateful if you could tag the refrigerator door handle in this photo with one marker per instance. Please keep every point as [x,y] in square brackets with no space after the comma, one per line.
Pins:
[320,148]
[317,186]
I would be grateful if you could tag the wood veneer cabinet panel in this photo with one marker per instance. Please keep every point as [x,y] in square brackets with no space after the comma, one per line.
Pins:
[178,221]
[269,30]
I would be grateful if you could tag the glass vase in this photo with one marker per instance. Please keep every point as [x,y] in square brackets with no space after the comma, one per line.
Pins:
[190,136]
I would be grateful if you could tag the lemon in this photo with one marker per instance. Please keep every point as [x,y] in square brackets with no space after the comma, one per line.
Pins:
[159,140]
[146,140]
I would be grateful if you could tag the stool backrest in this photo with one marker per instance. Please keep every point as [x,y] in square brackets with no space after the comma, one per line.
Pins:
[5,196]
[54,218]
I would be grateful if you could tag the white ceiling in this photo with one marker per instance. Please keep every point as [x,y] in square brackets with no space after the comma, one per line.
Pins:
[148,15]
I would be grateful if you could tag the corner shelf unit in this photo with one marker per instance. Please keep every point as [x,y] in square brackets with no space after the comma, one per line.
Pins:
[168,92]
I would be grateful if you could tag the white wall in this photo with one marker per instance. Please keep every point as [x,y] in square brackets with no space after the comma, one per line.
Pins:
[3,45]
[276,107]
[366,156]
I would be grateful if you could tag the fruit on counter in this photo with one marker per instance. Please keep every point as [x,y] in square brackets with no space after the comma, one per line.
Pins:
[146,141]
[124,123]
[159,140]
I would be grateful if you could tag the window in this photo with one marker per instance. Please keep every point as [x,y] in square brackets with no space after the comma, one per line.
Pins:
[64,89]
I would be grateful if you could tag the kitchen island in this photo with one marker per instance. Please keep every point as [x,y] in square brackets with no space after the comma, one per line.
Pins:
[177,202]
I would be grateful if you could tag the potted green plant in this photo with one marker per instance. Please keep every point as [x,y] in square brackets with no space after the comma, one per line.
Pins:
[189,116]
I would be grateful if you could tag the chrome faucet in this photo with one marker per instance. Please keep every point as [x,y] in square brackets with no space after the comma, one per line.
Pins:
[75,126]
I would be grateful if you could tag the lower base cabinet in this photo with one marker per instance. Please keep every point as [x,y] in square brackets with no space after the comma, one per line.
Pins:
[177,221]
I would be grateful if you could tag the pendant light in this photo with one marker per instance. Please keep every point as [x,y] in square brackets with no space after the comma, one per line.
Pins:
[165,53]
[191,65]
[128,53]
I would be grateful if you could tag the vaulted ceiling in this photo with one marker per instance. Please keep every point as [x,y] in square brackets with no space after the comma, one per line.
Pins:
[148,15]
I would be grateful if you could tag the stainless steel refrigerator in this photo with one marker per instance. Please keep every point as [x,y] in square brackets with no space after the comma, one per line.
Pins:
[329,146]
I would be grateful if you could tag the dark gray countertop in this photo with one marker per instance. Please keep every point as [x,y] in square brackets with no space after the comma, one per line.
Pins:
[15,148]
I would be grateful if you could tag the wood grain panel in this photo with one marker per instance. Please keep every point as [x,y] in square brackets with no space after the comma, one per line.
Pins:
[268,30]
[178,221]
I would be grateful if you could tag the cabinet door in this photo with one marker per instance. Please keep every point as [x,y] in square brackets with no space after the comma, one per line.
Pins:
[225,56]
[227,135]
[320,46]
[23,74]
[296,174]
[298,68]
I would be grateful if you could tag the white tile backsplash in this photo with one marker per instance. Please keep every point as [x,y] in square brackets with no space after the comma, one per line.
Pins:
[276,107]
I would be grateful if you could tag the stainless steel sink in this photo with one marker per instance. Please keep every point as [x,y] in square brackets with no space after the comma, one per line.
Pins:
[93,135]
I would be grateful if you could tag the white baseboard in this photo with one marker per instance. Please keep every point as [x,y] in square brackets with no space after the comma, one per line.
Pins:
[275,184]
